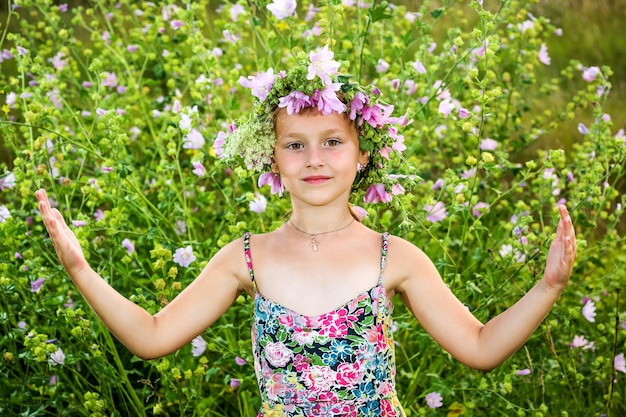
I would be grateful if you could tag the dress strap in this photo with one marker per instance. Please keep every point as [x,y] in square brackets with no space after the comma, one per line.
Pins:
[246,250]
[383,256]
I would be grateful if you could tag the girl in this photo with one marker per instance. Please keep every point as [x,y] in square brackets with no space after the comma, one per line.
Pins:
[322,282]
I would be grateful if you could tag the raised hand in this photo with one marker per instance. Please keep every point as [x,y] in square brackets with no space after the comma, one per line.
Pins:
[64,240]
[560,259]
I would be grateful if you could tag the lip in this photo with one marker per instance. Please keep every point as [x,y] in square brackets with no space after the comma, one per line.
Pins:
[315,179]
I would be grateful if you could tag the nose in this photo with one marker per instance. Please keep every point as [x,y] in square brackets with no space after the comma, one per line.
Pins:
[314,157]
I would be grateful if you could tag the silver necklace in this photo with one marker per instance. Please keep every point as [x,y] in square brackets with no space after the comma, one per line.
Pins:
[315,245]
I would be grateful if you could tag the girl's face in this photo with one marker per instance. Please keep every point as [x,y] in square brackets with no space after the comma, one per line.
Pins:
[317,156]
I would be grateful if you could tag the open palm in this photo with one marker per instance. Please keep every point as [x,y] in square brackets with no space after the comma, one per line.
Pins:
[64,240]
[560,259]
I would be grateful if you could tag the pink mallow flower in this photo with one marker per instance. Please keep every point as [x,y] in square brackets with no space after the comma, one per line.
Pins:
[590,74]
[262,84]
[57,358]
[35,286]
[294,102]
[543,56]
[128,245]
[274,182]
[619,363]
[376,193]
[198,168]
[198,346]
[434,400]
[589,311]
[282,9]
[436,213]
[322,65]
[259,204]
[184,256]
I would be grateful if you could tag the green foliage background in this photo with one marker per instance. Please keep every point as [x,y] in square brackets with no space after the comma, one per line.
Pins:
[60,133]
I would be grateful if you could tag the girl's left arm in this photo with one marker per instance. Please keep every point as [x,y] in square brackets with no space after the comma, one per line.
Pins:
[460,333]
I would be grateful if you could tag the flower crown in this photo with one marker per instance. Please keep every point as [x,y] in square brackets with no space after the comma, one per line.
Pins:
[317,83]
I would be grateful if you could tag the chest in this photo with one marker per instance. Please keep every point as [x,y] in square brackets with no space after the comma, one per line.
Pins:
[316,282]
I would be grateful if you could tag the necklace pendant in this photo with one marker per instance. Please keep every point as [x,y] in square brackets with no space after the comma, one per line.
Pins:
[315,245]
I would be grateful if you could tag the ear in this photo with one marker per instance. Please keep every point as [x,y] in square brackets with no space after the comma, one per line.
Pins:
[364,157]
[274,166]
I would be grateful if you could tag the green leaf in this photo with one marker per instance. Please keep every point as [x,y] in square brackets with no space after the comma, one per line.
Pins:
[436,14]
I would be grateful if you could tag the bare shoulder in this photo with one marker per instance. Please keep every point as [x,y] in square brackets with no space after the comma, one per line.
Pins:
[231,260]
[407,265]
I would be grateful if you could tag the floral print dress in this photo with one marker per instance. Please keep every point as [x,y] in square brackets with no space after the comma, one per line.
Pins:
[341,363]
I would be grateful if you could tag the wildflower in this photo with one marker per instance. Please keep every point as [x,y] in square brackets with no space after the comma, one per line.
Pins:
[322,65]
[218,144]
[262,84]
[128,245]
[434,400]
[193,140]
[464,113]
[382,66]
[488,144]
[57,358]
[35,286]
[274,181]
[110,79]
[234,383]
[259,203]
[359,211]
[177,24]
[311,12]
[419,67]
[376,193]
[397,189]
[4,213]
[230,37]
[58,62]
[11,99]
[619,363]
[580,341]
[240,361]
[543,56]
[180,227]
[98,215]
[327,101]
[296,101]
[198,169]
[445,107]
[479,208]
[590,74]
[582,129]
[198,346]
[79,223]
[132,48]
[282,9]
[53,380]
[523,372]
[184,256]
[589,311]
[235,11]
[436,213]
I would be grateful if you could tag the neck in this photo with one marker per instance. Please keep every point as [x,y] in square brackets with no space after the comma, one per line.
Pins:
[321,220]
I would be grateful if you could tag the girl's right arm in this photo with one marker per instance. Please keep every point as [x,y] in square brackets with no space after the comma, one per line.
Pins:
[147,336]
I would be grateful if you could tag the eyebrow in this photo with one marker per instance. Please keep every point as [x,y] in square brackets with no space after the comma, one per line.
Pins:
[326,132]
